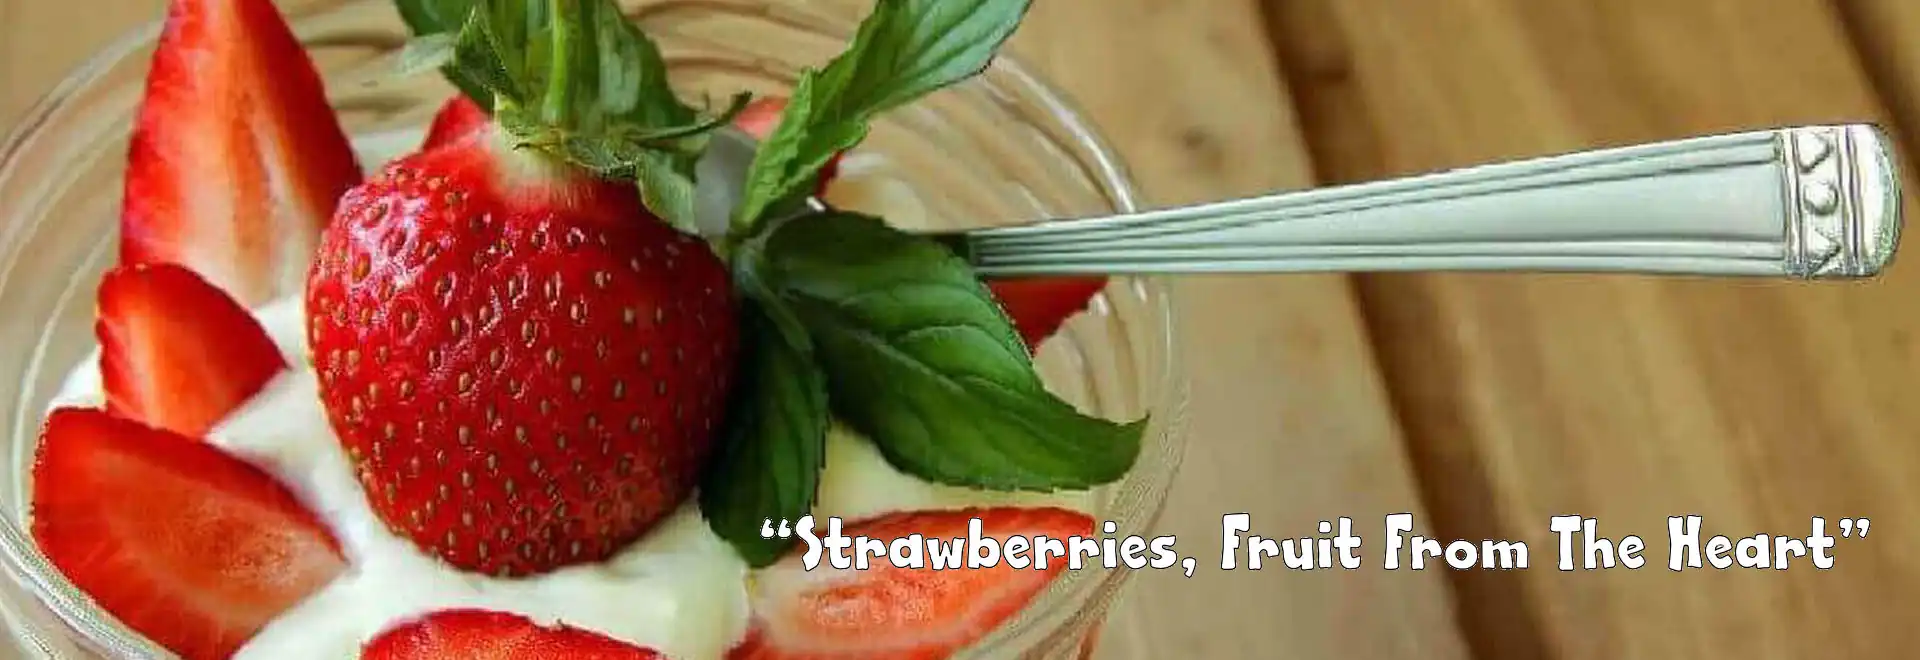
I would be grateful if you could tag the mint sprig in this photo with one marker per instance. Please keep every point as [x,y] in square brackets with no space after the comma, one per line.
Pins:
[903,51]
[575,79]
[891,331]
[921,358]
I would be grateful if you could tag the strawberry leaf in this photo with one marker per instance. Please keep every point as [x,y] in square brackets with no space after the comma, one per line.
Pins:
[440,20]
[429,52]
[903,51]
[577,80]
[477,61]
[668,187]
[773,443]
[434,16]
[920,358]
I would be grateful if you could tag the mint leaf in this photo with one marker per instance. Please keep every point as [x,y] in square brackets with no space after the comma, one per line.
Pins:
[575,78]
[919,357]
[904,50]
[772,444]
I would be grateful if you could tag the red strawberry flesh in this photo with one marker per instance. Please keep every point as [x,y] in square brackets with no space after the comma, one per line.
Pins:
[236,159]
[1040,306]
[891,612]
[459,117]
[525,368]
[177,353]
[190,547]
[483,635]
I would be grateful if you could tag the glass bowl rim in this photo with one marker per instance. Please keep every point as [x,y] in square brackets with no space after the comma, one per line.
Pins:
[1107,168]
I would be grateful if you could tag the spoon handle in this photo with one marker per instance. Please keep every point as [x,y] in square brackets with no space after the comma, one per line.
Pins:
[1805,202]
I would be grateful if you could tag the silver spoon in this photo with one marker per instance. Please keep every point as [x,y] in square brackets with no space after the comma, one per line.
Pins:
[1809,202]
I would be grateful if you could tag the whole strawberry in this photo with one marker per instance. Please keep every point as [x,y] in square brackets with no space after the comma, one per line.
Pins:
[525,365]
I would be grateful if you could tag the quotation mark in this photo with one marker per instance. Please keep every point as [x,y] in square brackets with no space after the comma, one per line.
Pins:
[767,531]
[1848,525]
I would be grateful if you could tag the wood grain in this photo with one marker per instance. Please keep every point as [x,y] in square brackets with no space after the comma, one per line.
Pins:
[1882,34]
[1758,405]
[41,41]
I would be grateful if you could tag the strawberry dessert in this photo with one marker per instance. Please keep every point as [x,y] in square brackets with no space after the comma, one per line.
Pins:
[513,394]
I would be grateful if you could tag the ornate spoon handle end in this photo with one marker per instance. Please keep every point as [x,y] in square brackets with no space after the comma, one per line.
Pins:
[1845,201]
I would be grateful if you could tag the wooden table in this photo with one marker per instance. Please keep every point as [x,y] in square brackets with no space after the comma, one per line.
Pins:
[1482,404]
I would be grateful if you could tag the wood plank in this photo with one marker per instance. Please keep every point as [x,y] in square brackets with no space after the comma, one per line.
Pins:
[1290,422]
[1882,35]
[43,41]
[1756,404]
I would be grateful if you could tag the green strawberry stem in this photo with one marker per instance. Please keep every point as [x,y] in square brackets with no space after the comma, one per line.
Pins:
[559,97]
[575,80]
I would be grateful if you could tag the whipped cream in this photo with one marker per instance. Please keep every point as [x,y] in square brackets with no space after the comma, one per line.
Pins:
[680,590]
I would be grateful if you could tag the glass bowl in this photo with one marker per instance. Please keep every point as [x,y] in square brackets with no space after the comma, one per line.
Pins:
[1003,148]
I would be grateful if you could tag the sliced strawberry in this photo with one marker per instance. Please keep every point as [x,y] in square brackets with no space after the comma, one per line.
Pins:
[237,160]
[177,353]
[891,612]
[191,547]
[762,116]
[1040,305]
[483,635]
[459,117]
